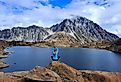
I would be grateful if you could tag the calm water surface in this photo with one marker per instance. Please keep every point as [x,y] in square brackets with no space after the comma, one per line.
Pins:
[26,58]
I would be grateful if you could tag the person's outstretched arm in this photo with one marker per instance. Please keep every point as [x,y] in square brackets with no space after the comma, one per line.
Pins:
[57,50]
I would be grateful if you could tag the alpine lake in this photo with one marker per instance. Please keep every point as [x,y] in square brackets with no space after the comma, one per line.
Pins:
[26,58]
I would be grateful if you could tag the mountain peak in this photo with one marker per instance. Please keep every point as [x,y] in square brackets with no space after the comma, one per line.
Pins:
[83,29]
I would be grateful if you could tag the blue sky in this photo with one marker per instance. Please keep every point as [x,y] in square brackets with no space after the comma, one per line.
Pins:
[106,13]
[60,3]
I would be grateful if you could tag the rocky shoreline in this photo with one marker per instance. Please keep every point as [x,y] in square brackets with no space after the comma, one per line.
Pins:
[56,71]
[59,72]
[3,64]
[3,54]
[116,46]
[61,42]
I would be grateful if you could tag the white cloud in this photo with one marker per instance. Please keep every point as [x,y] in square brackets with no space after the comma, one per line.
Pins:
[106,15]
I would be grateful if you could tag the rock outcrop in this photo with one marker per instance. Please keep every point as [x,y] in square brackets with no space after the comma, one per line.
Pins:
[38,74]
[3,64]
[3,45]
[59,72]
[67,74]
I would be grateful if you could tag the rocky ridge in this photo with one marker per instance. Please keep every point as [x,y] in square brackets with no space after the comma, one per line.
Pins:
[27,34]
[80,28]
[59,72]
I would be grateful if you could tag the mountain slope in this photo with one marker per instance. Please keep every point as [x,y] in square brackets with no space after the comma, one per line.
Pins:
[83,30]
[116,46]
[62,39]
[31,33]
[80,28]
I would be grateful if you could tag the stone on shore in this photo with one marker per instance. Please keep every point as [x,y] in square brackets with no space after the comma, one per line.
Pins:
[3,64]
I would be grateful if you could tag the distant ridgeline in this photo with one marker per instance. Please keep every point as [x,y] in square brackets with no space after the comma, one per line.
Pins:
[80,28]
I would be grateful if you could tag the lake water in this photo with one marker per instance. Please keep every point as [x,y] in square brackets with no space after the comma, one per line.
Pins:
[26,58]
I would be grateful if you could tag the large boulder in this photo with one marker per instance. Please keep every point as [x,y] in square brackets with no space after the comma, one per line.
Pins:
[42,74]
[37,74]
[69,74]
